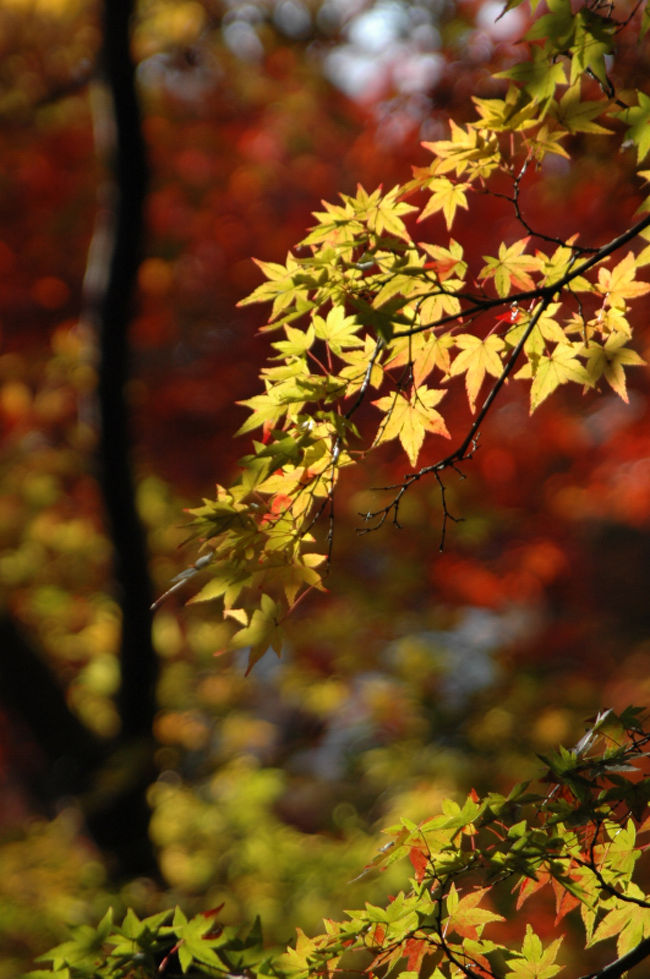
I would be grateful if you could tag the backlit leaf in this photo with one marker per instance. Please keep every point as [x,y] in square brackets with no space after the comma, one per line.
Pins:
[409,418]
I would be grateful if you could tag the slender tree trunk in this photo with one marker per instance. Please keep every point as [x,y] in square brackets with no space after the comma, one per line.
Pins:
[121,824]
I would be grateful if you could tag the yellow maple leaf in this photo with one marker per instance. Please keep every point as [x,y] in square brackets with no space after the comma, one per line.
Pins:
[408,418]
[424,352]
[476,358]
[609,360]
[560,366]
[511,267]
[446,196]
[618,284]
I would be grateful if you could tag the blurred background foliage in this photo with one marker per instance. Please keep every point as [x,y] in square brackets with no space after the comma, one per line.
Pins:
[419,674]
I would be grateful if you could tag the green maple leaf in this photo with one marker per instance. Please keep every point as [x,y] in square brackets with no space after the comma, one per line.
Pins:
[559,367]
[637,119]
[469,148]
[548,142]
[297,344]
[282,286]
[515,111]
[227,583]
[408,418]
[260,633]
[609,361]
[578,115]
[536,961]
[196,944]
[84,947]
[628,929]
[592,42]
[540,75]
[557,25]
[356,371]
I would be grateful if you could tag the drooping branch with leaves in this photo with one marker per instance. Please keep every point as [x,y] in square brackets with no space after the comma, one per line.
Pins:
[576,839]
[371,314]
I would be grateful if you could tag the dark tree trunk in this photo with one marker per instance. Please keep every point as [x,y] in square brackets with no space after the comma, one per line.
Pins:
[120,823]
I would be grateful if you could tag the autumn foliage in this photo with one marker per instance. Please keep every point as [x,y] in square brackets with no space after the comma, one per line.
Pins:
[436,510]
[365,308]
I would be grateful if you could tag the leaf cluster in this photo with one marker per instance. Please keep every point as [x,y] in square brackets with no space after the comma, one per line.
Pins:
[578,834]
[375,321]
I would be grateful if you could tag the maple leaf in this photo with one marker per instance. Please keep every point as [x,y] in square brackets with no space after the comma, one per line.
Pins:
[297,344]
[465,917]
[546,329]
[628,929]
[536,961]
[196,941]
[299,575]
[592,42]
[423,352]
[260,632]
[554,267]
[557,25]
[516,111]
[338,330]
[226,584]
[609,360]
[477,357]
[362,367]
[643,258]
[446,196]
[578,115]
[470,149]
[447,262]
[548,142]
[415,950]
[408,418]
[384,214]
[281,287]
[530,885]
[433,307]
[420,861]
[511,268]
[637,119]
[618,284]
[538,77]
[560,366]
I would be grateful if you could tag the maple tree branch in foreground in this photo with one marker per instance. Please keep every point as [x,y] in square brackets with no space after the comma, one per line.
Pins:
[463,451]
[618,968]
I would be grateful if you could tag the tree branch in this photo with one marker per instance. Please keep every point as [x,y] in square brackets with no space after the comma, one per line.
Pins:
[461,452]
[620,966]
[541,292]
[544,295]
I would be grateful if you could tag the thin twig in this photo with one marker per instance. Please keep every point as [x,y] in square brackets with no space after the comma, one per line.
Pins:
[540,292]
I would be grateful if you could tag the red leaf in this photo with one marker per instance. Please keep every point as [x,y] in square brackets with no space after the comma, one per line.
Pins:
[420,862]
